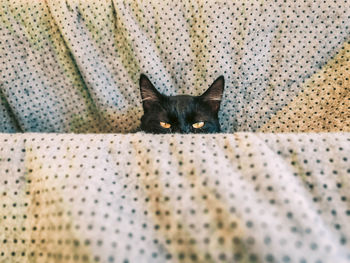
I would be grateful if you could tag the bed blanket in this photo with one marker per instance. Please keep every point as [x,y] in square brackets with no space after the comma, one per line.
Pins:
[274,187]
[74,66]
[240,197]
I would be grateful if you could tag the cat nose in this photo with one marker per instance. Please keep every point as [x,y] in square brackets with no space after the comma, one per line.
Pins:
[185,129]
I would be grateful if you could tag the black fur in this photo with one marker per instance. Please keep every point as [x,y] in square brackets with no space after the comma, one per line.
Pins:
[180,111]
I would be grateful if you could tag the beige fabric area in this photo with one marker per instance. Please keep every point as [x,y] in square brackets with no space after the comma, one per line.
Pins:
[73,66]
[324,103]
[144,198]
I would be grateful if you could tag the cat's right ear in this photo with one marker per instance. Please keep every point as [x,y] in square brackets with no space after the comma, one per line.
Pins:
[149,93]
[213,95]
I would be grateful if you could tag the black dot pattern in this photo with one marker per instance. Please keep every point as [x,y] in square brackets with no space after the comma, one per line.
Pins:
[8,121]
[213,198]
[73,66]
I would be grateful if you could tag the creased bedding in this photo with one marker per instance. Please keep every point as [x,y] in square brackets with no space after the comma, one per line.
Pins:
[274,187]
[74,66]
[240,197]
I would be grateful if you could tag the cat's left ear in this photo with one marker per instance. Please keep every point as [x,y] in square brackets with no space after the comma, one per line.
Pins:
[213,95]
[149,93]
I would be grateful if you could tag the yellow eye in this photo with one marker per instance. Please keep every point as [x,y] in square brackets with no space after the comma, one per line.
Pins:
[165,125]
[198,125]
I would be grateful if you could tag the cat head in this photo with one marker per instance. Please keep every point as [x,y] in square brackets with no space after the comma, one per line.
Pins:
[182,113]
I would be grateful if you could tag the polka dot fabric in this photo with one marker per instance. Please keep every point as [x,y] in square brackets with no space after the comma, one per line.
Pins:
[73,66]
[8,121]
[212,198]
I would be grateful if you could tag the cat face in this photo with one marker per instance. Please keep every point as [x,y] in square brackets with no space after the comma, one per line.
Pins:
[182,113]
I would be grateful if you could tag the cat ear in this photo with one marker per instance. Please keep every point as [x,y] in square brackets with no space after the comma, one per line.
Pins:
[213,95]
[149,93]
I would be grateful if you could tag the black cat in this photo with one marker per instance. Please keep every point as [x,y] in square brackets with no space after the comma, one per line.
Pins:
[182,113]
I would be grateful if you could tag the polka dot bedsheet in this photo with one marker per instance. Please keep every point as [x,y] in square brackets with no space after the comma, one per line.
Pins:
[239,197]
[74,66]
[274,187]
